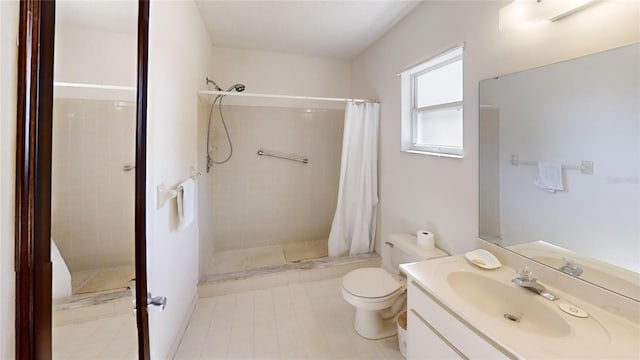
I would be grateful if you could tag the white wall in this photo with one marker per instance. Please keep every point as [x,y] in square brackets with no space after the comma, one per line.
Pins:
[271,73]
[280,73]
[585,109]
[94,56]
[179,50]
[9,15]
[441,194]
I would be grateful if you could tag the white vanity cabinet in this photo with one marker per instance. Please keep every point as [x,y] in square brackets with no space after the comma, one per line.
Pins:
[433,332]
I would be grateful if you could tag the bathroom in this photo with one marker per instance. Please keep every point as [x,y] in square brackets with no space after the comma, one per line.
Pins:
[241,312]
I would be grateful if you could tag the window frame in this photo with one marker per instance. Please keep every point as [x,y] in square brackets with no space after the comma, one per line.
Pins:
[410,111]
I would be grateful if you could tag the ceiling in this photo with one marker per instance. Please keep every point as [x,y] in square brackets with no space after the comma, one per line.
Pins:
[337,29]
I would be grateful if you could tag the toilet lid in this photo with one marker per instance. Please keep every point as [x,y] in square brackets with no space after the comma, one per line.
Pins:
[370,283]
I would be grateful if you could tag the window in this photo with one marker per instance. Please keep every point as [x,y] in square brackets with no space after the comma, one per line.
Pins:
[432,106]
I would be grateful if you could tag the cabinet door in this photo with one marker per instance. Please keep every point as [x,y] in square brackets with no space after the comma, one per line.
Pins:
[463,338]
[424,342]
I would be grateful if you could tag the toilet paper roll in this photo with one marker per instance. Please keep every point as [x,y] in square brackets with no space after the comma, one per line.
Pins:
[425,239]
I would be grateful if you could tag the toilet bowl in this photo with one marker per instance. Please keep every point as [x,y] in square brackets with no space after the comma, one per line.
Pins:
[379,295]
[370,291]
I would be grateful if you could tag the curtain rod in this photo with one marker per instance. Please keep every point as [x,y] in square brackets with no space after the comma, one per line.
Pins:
[274,96]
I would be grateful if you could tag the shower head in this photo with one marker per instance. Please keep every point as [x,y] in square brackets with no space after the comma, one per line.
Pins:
[209,81]
[236,87]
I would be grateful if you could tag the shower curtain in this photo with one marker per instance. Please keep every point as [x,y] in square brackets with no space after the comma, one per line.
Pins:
[354,223]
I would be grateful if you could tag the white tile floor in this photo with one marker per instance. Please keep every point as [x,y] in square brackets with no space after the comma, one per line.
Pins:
[96,331]
[108,338]
[299,321]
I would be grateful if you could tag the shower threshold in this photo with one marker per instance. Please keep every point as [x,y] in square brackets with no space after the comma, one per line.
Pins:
[96,294]
[238,260]
[255,275]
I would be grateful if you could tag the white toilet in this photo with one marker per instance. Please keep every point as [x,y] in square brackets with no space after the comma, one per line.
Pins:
[379,294]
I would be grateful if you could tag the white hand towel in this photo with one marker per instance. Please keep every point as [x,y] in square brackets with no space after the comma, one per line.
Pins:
[186,203]
[549,177]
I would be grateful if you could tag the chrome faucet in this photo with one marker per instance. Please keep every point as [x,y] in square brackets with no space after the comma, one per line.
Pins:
[570,267]
[527,281]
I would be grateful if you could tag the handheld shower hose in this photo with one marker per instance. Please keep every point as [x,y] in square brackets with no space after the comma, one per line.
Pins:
[210,160]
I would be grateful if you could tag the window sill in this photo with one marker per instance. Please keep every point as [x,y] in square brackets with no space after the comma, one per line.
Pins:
[431,153]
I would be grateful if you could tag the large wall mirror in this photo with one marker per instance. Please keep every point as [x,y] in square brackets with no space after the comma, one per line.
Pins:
[80,180]
[560,165]
[93,176]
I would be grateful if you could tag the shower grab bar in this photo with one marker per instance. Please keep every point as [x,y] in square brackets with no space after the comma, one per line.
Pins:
[284,157]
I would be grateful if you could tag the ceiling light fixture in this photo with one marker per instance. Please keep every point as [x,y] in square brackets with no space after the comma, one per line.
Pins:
[521,14]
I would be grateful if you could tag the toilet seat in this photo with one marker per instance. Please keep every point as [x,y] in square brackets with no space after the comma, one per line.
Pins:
[371,283]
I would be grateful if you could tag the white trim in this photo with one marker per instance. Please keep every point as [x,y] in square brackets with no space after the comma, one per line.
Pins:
[275,96]
[427,61]
[437,107]
[409,111]
[93,86]
[434,149]
[68,90]
[436,66]
[439,154]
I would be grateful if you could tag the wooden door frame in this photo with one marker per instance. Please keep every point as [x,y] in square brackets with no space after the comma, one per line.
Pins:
[33,180]
[33,268]
[144,352]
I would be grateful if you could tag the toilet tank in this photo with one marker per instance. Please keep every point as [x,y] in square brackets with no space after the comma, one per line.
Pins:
[403,248]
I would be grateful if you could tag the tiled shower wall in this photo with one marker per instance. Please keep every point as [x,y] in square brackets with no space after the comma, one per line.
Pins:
[257,200]
[92,197]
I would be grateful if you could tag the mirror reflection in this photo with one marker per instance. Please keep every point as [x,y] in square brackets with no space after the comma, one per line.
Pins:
[560,165]
[93,174]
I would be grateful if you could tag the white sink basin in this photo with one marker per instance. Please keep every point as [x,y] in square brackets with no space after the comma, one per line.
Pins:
[515,306]
[482,298]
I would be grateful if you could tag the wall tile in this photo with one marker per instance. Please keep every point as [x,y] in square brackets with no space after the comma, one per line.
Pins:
[258,201]
[92,198]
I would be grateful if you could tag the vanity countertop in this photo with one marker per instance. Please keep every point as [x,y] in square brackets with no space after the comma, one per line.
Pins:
[479,298]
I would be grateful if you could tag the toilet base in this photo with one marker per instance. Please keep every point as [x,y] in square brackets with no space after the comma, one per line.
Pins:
[371,325]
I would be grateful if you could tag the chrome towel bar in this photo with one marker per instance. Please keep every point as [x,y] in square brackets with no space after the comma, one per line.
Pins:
[284,157]
[586,167]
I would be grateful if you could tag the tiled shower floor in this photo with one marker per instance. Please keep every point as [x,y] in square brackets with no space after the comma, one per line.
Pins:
[231,261]
[107,279]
